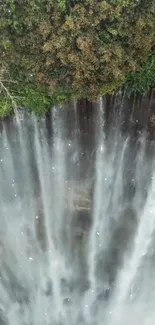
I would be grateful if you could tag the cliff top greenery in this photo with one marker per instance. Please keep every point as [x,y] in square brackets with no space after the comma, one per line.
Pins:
[54,51]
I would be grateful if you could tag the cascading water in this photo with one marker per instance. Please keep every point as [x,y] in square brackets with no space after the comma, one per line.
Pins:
[75,250]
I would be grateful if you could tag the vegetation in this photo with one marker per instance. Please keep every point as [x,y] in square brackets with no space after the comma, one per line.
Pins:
[142,80]
[53,51]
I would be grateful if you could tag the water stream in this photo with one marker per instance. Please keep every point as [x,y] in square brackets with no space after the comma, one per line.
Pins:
[77,226]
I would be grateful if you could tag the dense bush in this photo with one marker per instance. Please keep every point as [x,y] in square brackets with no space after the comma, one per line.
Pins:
[57,50]
[142,80]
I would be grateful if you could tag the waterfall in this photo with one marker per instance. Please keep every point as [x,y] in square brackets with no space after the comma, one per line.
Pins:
[77,233]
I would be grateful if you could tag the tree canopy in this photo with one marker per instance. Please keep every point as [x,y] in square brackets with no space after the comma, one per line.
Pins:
[51,51]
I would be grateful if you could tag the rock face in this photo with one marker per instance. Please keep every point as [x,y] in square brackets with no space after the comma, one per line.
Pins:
[134,114]
[78,195]
[78,206]
[78,199]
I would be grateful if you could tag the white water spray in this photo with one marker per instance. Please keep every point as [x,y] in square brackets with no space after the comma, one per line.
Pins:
[49,272]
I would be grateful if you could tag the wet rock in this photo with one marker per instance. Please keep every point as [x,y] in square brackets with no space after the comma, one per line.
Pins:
[81,222]
[77,211]
[78,196]
[79,206]
[132,114]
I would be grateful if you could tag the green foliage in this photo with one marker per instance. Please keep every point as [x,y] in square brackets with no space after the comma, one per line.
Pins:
[37,99]
[32,95]
[62,5]
[142,80]
[55,50]
[5,107]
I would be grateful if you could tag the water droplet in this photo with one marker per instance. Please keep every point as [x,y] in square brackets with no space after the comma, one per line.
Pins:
[69,144]
[53,167]
[13,184]
[98,234]
[86,306]
[37,217]
[30,258]
[15,195]
[1,159]
[105,179]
